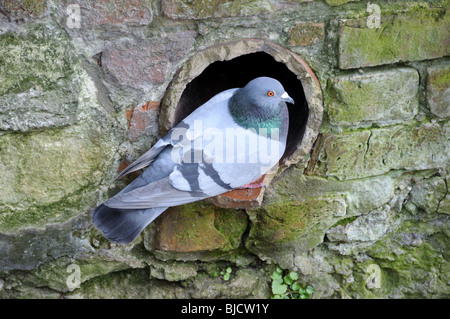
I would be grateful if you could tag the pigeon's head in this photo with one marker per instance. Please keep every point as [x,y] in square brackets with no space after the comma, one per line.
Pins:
[265,91]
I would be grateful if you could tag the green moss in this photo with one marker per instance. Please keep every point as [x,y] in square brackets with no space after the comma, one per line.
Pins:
[231,224]
[364,153]
[415,35]
[200,9]
[373,97]
[34,7]
[45,50]
[284,222]
[440,79]
[338,2]
[346,221]
[201,226]
[411,262]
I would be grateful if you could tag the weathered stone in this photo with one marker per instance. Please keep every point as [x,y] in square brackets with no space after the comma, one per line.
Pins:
[146,63]
[370,227]
[198,227]
[338,2]
[94,14]
[411,36]
[381,97]
[201,9]
[427,194]
[45,168]
[291,227]
[342,155]
[360,195]
[306,33]
[367,153]
[19,10]
[49,174]
[45,49]
[413,260]
[244,283]
[438,90]
[173,271]
[142,120]
[37,109]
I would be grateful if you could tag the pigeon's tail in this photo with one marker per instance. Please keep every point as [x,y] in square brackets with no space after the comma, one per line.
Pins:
[122,226]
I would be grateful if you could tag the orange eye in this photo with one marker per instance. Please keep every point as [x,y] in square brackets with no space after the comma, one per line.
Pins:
[270,93]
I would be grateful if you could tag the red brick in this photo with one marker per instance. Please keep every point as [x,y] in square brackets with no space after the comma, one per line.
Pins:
[141,119]
[118,12]
[306,33]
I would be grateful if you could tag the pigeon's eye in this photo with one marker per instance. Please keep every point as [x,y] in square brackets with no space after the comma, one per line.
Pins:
[270,93]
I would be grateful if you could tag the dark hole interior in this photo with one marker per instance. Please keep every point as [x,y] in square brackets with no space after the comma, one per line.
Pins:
[223,75]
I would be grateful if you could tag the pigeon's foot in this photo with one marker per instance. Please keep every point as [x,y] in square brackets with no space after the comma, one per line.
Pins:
[251,185]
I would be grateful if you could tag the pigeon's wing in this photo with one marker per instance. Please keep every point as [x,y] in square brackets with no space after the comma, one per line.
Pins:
[192,181]
[175,136]
[145,159]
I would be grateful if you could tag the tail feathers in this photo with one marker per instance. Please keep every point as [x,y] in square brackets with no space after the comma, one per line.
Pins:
[122,226]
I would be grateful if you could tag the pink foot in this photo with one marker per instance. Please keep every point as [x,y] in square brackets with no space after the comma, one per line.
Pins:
[255,185]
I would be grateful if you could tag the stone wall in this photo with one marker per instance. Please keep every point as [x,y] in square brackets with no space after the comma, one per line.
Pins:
[81,88]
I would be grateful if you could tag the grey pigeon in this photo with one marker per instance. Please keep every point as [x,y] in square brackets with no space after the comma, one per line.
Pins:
[226,143]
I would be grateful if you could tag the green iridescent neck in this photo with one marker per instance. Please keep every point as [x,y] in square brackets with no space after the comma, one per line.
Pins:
[251,116]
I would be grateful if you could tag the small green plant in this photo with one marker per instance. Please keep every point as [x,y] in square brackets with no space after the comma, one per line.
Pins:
[286,286]
[226,273]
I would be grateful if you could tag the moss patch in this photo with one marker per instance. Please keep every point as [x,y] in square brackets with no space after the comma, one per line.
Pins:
[415,35]
[200,227]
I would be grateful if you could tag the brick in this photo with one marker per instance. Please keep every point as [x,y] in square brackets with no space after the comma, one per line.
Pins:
[306,33]
[411,36]
[242,198]
[113,12]
[438,90]
[203,9]
[142,120]
[199,227]
[143,63]
[360,154]
[381,97]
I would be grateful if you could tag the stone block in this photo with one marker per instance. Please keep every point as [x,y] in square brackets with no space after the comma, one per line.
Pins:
[338,2]
[198,227]
[44,49]
[370,227]
[142,119]
[366,153]
[306,33]
[94,14]
[381,97]
[203,9]
[429,193]
[20,10]
[438,90]
[292,226]
[140,64]
[415,35]
[35,109]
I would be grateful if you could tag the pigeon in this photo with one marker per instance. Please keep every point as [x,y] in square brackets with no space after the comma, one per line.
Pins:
[227,143]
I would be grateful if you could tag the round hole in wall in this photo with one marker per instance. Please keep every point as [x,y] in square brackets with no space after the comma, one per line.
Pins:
[234,64]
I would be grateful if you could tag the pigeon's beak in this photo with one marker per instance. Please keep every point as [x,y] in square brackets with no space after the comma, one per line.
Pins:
[285,97]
